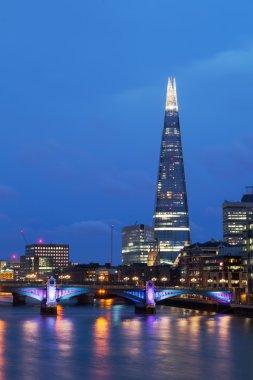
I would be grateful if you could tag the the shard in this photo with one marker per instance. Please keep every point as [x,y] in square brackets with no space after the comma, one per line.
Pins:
[171,219]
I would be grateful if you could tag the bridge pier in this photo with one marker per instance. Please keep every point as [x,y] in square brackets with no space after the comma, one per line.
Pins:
[149,306]
[49,304]
[47,310]
[18,299]
[144,309]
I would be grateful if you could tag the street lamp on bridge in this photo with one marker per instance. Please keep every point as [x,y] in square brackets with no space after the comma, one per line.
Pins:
[64,277]
[31,276]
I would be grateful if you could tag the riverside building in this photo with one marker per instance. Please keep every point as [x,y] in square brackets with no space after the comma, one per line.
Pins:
[171,219]
[213,264]
[248,257]
[42,259]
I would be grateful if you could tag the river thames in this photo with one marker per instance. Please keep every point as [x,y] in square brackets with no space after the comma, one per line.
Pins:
[110,342]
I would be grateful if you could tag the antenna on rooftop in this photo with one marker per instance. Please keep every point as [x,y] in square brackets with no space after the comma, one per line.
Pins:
[22,233]
[250,188]
[111,250]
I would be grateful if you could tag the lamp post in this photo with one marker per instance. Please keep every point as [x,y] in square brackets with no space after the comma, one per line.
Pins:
[68,277]
[101,279]
[193,281]
[64,277]
[31,276]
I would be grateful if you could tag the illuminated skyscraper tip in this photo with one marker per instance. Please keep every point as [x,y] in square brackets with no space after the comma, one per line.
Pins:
[171,98]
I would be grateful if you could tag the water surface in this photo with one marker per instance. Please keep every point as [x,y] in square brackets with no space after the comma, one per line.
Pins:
[110,342]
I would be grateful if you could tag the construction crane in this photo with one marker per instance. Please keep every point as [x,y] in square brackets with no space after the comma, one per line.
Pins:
[22,233]
[111,250]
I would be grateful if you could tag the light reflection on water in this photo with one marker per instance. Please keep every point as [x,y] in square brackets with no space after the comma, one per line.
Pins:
[110,342]
[100,367]
[101,338]
[2,358]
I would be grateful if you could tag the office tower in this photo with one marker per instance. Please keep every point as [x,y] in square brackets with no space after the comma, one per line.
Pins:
[248,257]
[137,241]
[42,259]
[236,216]
[171,219]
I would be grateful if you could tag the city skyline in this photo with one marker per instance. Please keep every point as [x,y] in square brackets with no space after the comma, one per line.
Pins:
[126,232]
[82,108]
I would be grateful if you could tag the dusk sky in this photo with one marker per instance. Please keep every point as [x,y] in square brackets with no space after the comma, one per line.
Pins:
[82,98]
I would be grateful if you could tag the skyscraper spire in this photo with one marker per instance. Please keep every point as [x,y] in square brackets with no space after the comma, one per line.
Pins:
[171,220]
[171,97]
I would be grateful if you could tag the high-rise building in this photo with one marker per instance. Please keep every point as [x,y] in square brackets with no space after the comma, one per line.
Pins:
[171,219]
[248,258]
[43,259]
[137,241]
[236,216]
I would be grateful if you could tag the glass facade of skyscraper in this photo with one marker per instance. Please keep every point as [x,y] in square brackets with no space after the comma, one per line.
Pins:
[137,241]
[236,216]
[171,219]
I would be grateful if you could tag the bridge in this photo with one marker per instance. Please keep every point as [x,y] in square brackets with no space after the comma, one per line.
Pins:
[144,299]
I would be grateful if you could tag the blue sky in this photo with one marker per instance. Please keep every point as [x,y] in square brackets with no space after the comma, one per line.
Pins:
[82,97]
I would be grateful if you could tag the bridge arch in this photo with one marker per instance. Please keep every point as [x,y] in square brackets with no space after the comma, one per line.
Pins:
[36,293]
[67,293]
[135,296]
[220,296]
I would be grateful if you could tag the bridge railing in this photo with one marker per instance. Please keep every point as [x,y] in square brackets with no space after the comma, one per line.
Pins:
[11,285]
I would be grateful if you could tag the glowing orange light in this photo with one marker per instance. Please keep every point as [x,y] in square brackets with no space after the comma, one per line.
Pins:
[2,331]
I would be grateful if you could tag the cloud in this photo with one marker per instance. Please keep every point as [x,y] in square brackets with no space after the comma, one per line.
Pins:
[127,182]
[144,94]
[231,161]
[117,186]
[7,192]
[55,161]
[84,228]
[4,219]
[226,62]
